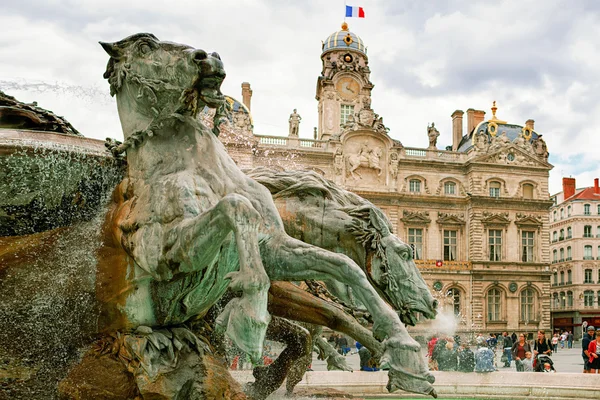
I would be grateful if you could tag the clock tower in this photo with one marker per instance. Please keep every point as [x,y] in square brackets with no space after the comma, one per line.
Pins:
[344,88]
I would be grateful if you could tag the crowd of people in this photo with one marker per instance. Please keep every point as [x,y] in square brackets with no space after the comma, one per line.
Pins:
[448,354]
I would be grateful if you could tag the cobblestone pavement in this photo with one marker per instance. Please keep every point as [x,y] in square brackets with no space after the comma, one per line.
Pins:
[565,360]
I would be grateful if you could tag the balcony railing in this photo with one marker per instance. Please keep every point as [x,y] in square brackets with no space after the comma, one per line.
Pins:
[588,257]
[445,265]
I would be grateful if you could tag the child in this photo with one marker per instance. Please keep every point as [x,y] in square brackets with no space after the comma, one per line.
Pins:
[528,363]
[548,367]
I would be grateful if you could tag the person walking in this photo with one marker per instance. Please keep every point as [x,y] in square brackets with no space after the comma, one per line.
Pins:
[585,344]
[555,343]
[570,339]
[507,346]
[541,346]
[518,351]
[594,352]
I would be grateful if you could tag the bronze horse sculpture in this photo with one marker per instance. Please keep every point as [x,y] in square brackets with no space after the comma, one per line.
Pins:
[186,224]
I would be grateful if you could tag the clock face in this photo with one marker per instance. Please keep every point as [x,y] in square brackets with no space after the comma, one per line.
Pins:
[348,88]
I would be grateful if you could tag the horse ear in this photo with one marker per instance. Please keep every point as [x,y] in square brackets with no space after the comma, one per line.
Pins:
[379,221]
[112,49]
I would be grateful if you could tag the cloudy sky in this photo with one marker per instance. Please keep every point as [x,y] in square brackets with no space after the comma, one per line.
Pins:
[536,58]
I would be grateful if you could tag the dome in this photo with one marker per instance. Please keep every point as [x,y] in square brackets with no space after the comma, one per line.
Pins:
[344,40]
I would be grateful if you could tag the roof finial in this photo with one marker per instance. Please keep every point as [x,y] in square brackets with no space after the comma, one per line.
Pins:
[494,118]
[344,26]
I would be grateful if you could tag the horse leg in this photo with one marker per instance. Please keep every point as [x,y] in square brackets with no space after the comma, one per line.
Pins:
[302,261]
[188,244]
[298,345]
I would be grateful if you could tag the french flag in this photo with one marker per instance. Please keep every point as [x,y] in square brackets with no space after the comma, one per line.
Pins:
[357,12]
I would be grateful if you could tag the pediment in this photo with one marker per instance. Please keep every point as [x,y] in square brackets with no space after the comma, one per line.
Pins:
[511,154]
[495,218]
[450,219]
[528,220]
[416,217]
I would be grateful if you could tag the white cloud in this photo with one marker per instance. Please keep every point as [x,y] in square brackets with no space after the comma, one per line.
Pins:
[538,59]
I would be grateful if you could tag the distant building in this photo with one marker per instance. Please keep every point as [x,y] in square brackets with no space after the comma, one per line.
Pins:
[475,212]
[575,255]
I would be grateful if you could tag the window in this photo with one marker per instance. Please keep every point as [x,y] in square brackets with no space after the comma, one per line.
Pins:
[562,213]
[527,245]
[563,299]
[495,242]
[598,208]
[562,277]
[555,255]
[569,255]
[599,275]
[599,297]
[588,298]
[494,304]
[598,255]
[586,209]
[345,111]
[562,255]
[569,277]
[494,189]
[450,238]
[527,191]
[455,294]
[556,278]
[555,236]
[587,277]
[554,215]
[569,299]
[555,301]
[415,240]
[414,186]
[569,211]
[598,231]
[527,305]
[587,253]
[561,236]
[450,188]
[587,231]
[569,232]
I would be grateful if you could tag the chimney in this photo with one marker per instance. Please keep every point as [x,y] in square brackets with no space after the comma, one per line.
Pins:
[457,128]
[568,187]
[246,94]
[478,116]
[596,188]
[529,124]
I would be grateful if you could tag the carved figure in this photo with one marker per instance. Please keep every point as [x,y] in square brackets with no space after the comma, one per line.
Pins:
[480,141]
[433,134]
[350,123]
[366,157]
[541,150]
[394,165]
[378,124]
[338,162]
[188,221]
[341,221]
[294,121]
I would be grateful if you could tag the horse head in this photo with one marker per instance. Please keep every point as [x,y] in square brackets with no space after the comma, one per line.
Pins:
[389,265]
[153,78]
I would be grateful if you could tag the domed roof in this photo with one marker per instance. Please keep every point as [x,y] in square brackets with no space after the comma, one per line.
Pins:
[344,40]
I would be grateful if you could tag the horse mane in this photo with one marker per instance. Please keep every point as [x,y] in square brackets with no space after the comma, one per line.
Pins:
[309,183]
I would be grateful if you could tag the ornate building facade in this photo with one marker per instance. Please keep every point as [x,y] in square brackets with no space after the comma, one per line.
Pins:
[476,212]
[575,252]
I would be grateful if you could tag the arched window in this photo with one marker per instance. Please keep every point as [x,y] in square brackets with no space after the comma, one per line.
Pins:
[554,214]
[415,186]
[562,255]
[494,301]
[587,252]
[527,305]
[569,277]
[569,254]
[555,302]
[598,231]
[561,236]
[599,209]
[569,211]
[555,236]
[586,209]
[587,231]
[569,232]
[569,299]
[556,278]
[528,191]
[562,277]
[554,256]
[587,276]
[450,188]
[495,189]
[588,298]
[454,294]
[563,299]
[562,213]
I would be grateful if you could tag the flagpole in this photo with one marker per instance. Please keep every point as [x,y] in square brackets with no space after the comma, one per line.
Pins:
[345,4]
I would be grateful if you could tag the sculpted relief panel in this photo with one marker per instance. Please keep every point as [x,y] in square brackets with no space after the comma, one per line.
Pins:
[364,160]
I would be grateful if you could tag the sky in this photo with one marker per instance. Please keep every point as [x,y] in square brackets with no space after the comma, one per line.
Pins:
[538,59]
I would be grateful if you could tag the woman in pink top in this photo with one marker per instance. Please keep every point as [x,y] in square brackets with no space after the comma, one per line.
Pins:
[594,352]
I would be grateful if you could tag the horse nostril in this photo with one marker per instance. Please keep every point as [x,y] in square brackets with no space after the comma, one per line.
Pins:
[435,304]
[199,55]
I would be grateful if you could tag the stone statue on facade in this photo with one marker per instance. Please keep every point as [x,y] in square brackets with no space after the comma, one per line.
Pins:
[350,124]
[338,162]
[378,124]
[481,141]
[432,134]
[365,157]
[294,121]
[541,150]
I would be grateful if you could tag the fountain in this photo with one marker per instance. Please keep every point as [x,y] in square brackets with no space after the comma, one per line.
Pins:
[121,276]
